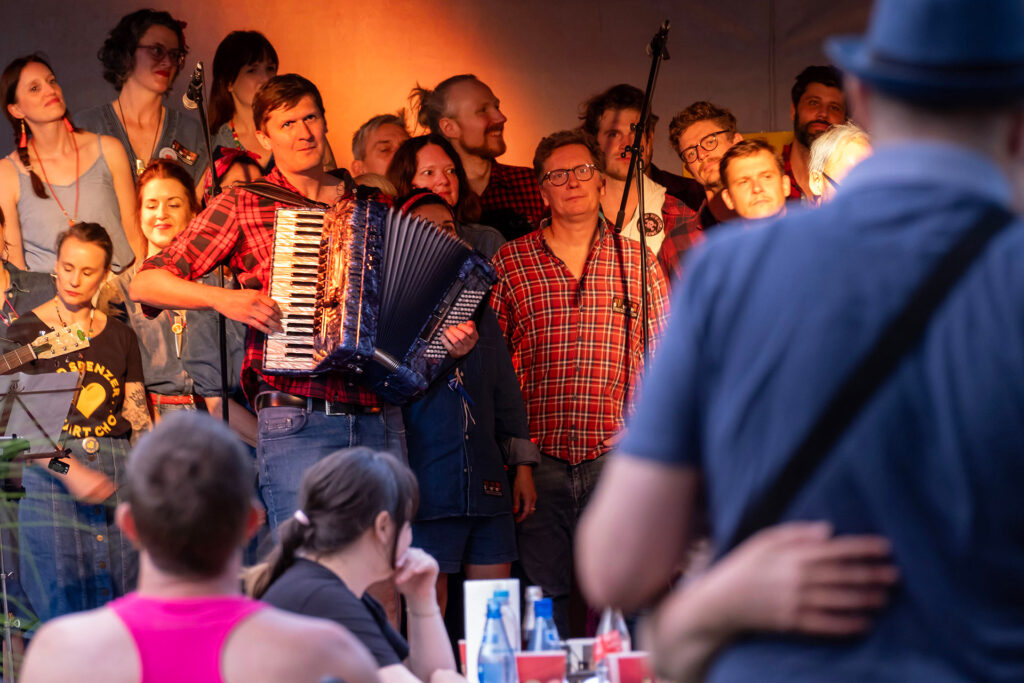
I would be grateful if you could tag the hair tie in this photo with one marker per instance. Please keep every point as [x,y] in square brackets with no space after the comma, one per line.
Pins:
[301,517]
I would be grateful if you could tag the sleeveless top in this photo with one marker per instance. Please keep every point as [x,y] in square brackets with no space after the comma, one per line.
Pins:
[181,138]
[182,640]
[42,220]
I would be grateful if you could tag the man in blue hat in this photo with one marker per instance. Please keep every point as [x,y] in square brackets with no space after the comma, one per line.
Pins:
[769,324]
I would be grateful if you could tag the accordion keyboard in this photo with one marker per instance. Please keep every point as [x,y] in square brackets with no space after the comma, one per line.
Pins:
[293,278]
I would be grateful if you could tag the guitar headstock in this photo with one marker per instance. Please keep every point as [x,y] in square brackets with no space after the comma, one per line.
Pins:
[60,342]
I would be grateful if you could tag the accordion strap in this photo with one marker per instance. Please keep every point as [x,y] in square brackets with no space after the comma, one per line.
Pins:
[279,194]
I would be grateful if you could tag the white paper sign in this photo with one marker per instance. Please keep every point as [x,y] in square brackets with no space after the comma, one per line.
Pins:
[477,593]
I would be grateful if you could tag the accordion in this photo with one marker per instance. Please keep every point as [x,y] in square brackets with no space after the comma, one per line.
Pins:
[368,291]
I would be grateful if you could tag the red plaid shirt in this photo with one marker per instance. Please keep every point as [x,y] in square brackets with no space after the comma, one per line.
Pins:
[576,352]
[683,235]
[238,229]
[794,189]
[514,188]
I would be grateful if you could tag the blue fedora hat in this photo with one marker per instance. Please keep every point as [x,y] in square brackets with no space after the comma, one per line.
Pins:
[939,50]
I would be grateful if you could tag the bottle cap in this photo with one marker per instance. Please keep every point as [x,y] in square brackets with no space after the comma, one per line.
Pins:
[542,608]
[534,593]
[501,595]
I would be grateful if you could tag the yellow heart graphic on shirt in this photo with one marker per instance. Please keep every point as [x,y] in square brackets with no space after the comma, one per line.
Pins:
[90,398]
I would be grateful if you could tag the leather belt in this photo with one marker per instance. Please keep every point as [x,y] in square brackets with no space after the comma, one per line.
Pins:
[182,400]
[279,399]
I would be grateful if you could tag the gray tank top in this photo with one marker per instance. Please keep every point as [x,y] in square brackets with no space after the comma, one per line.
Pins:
[41,219]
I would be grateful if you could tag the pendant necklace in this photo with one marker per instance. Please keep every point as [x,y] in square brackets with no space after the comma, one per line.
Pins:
[92,314]
[140,165]
[71,221]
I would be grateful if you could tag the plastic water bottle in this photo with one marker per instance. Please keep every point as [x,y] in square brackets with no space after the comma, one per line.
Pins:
[545,633]
[495,663]
[612,636]
[533,594]
[508,619]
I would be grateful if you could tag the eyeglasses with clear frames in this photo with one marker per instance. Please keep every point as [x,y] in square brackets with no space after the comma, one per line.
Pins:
[708,142]
[158,52]
[560,176]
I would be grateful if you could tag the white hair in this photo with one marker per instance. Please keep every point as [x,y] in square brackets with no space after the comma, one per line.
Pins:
[833,141]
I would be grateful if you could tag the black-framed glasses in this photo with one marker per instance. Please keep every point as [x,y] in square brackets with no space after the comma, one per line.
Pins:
[560,176]
[708,142]
[833,183]
[158,52]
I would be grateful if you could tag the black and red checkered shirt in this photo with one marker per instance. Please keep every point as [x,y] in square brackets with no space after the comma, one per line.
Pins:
[787,160]
[683,235]
[237,229]
[576,345]
[511,202]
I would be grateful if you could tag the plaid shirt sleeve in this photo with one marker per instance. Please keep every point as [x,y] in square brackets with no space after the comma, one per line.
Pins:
[684,234]
[207,241]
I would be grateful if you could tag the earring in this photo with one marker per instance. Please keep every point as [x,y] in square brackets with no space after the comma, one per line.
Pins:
[23,141]
[67,124]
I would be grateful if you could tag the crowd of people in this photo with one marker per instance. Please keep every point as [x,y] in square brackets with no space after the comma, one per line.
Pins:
[723,320]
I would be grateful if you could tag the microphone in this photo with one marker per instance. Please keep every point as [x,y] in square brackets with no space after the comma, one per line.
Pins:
[659,41]
[194,93]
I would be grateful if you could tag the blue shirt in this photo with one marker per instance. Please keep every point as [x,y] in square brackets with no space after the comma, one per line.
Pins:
[765,326]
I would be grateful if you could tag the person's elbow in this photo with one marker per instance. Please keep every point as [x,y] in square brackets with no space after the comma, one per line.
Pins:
[141,288]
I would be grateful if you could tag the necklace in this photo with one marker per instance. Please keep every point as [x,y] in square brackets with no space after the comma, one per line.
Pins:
[234,136]
[71,221]
[140,165]
[92,313]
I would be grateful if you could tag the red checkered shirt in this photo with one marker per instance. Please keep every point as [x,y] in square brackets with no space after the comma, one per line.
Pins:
[575,350]
[238,229]
[514,188]
[787,159]
[683,235]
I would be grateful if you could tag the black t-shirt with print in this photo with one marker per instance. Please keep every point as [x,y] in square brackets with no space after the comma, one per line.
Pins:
[111,360]
[312,589]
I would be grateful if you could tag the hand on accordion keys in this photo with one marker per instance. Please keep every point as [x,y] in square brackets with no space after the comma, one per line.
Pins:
[249,307]
[459,340]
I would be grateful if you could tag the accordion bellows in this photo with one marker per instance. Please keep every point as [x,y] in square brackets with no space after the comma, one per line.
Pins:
[387,285]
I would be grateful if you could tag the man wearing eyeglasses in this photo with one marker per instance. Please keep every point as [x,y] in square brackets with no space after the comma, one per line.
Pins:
[833,155]
[701,134]
[568,299]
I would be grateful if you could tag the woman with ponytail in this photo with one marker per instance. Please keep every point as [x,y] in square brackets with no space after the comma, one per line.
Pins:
[59,175]
[352,530]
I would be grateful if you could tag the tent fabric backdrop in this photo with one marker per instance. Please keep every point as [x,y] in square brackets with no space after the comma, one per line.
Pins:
[542,58]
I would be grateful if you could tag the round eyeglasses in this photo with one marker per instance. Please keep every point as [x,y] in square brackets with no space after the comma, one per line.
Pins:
[158,52]
[708,142]
[560,176]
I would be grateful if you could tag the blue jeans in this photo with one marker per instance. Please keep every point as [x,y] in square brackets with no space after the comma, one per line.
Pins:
[73,556]
[546,537]
[291,440]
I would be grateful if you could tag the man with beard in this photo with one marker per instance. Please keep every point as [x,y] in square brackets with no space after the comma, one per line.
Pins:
[610,117]
[818,104]
[464,110]
[701,134]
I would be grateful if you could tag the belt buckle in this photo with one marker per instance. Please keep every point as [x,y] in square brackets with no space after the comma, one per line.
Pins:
[329,408]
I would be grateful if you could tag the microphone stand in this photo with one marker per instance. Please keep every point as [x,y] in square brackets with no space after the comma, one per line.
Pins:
[658,52]
[194,95]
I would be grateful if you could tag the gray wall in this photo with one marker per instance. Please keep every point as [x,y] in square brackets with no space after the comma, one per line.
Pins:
[541,57]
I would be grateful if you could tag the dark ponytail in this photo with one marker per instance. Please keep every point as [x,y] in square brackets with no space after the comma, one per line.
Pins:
[340,498]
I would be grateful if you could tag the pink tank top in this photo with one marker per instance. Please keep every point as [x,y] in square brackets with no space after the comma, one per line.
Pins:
[181,640]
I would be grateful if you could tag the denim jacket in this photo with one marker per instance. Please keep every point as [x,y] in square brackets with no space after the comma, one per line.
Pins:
[468,427]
